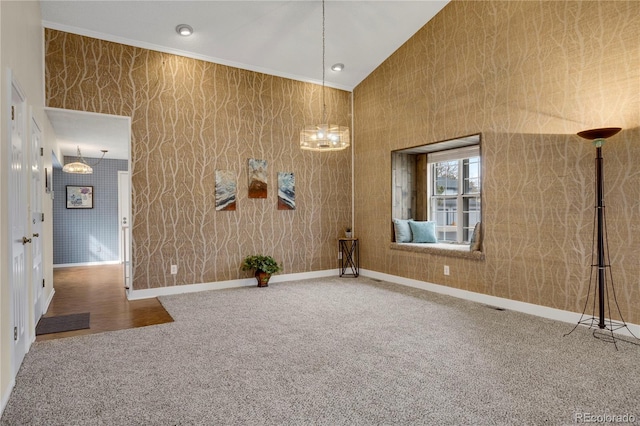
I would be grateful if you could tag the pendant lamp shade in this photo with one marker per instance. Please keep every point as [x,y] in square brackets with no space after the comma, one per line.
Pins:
[80,166]
[324,136]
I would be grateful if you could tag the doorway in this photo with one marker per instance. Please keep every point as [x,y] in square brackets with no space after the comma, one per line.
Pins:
[88,243]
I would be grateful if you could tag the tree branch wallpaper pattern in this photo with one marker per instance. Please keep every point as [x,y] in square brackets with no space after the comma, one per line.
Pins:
[188,119]
[528,75]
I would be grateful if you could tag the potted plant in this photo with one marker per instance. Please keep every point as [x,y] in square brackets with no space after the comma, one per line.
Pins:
[264,267]
[347,232]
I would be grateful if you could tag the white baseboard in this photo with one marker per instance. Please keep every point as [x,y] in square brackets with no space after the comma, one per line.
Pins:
[68,265]
[48,302]
[219,285]
[6,393]
[500,302]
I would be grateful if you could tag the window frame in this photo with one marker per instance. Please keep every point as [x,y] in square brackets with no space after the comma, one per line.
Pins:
[462,156]
[474,140]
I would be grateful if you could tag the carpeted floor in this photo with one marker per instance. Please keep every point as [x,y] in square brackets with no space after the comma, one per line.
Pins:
[327,351]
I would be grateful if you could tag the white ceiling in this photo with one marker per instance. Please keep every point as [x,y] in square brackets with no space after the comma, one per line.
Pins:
[90,132]
[282,38]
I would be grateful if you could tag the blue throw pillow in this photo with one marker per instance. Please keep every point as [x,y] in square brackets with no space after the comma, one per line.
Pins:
[402,230]
[423,232]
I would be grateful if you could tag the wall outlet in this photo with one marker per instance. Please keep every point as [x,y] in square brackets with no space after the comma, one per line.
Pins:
[446,269]
[174,269]
[339,255]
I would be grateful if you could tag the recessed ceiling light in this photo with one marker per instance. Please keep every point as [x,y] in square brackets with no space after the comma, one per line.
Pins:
[184,30]
[337,67]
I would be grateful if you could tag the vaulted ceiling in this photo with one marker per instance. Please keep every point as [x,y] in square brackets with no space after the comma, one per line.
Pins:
[282,38]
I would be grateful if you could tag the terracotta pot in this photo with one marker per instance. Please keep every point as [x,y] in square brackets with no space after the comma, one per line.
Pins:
[263,278]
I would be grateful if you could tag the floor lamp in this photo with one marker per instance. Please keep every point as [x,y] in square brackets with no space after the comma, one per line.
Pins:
[600,252]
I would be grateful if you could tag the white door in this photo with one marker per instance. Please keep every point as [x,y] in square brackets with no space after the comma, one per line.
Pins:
[18,223]
[36,221]
[124,205]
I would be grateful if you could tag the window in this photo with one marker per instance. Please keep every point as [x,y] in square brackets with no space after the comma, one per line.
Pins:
[454,192]
[439,182]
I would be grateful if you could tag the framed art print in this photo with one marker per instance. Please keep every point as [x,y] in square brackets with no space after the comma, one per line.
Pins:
[286,191]
[79,197]
[257,178]
[225,190]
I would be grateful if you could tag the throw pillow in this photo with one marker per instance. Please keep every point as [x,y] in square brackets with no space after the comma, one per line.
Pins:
[423,232]
[475,243]
[402,230]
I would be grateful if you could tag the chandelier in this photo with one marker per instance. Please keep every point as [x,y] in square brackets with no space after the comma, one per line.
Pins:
[324,136]
[80,166]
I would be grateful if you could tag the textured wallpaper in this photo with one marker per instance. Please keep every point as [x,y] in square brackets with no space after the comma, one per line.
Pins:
[528,75]
[189,119]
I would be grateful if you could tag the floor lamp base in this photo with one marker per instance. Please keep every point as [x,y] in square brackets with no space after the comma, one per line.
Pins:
[606,334]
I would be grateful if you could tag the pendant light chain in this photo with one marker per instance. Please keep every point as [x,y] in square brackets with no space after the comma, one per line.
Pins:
[324,136]
[324,105]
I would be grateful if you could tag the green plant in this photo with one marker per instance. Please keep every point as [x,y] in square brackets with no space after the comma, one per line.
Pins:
[260,263]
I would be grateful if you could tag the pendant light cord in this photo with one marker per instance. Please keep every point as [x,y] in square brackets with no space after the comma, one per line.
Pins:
[81,159]
[324,105]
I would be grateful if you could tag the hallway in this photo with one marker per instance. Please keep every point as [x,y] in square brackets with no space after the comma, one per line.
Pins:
[100,291]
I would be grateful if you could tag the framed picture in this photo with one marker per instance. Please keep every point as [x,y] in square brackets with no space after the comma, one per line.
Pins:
[257,178]
[286,191]
[79,197]
[225,190]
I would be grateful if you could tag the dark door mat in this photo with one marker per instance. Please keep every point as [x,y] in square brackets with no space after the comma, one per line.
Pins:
[60,323]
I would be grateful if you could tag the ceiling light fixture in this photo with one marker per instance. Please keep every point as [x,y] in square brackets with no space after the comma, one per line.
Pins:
[337,67]
[80,166]
[324,136]
[184,30]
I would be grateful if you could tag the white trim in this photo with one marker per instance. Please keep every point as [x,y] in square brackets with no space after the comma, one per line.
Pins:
[219,285]
[69,265]
[454,154]
[500,302]
[48,302]
[353,165]
[6,395]
[186,54]
[88,113]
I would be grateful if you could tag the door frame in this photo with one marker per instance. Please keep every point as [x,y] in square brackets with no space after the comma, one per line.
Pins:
[36,212]
[124,219]
[20,338]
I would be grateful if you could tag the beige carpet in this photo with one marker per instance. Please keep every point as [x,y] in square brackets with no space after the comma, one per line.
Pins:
[327,351]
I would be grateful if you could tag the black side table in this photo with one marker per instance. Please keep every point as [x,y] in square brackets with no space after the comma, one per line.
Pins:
[349,257]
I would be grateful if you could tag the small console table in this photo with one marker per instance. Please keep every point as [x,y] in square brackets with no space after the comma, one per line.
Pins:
[349,257]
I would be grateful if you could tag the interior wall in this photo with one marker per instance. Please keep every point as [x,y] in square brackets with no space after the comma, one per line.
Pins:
[87,235]
[403,170]
[190,118]
[21,51]
[528,75]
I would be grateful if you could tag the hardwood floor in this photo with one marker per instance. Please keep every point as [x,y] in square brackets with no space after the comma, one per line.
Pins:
[99,290]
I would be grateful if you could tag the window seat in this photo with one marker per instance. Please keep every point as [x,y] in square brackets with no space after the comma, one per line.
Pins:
[441,249]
